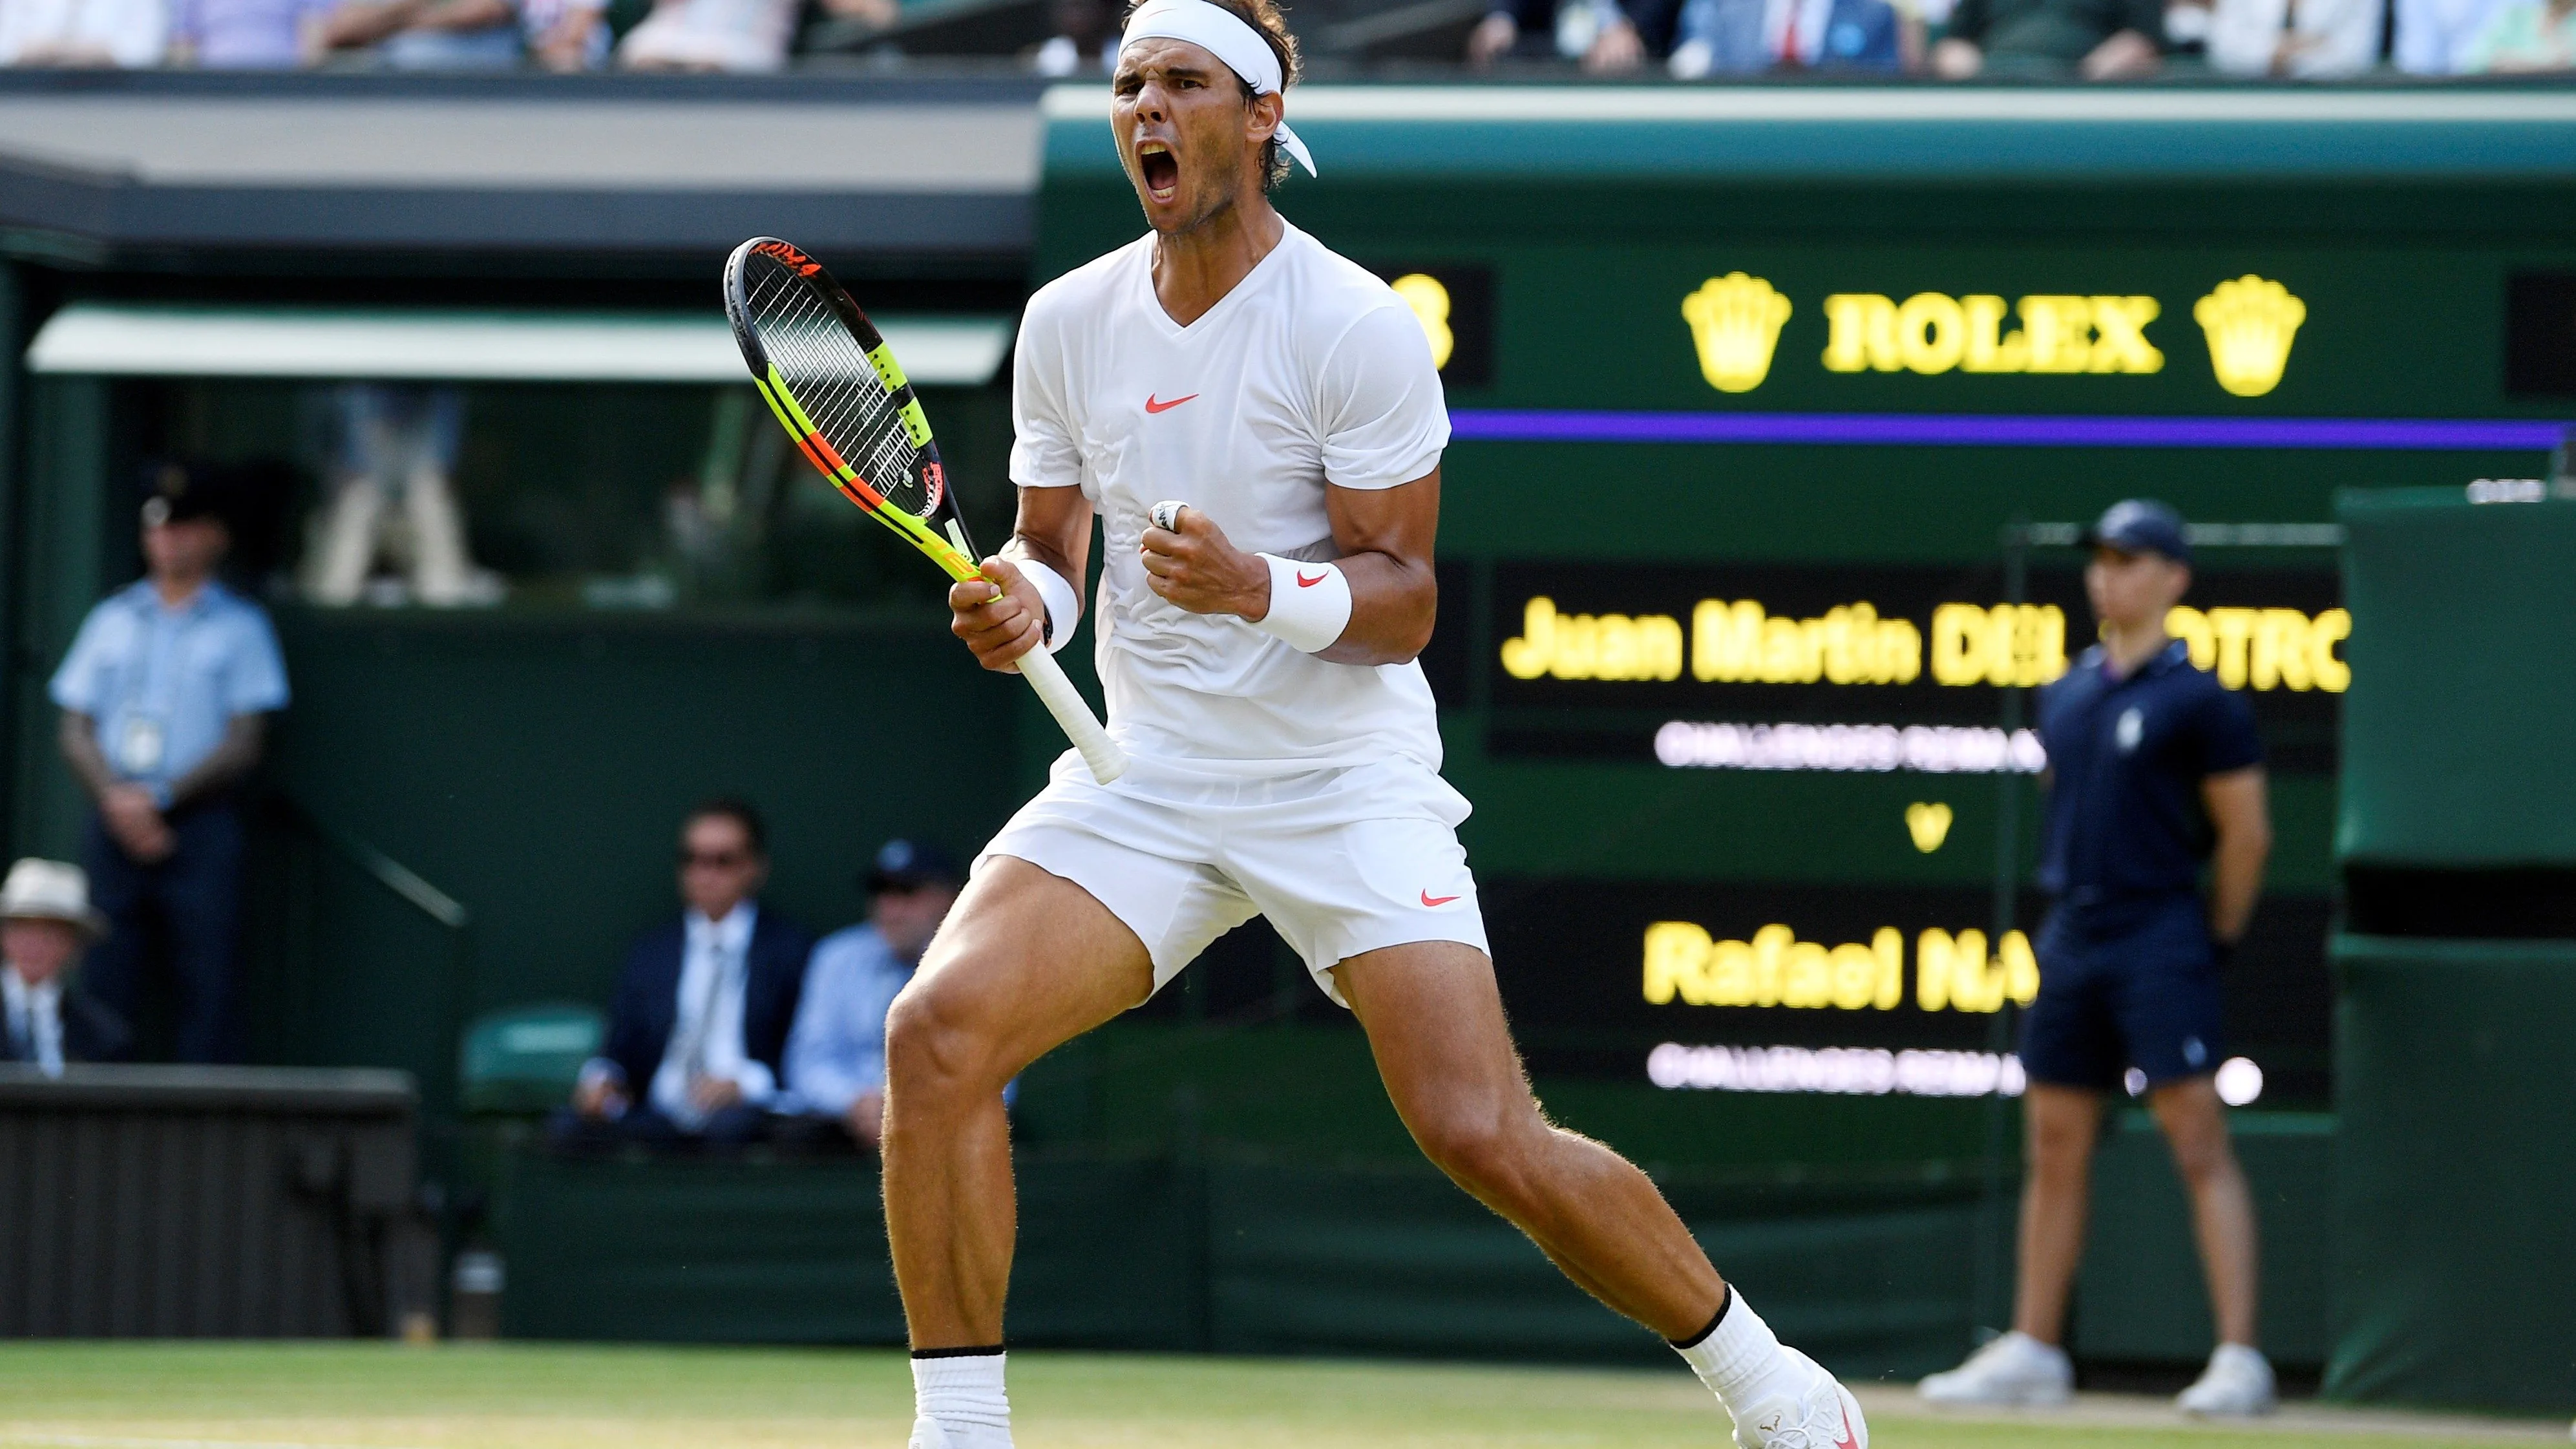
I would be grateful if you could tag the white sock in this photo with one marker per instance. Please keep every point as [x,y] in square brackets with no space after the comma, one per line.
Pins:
[963,1394]
[1738,1357]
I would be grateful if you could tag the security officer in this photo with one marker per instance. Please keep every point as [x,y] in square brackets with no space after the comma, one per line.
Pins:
[165,697]
[2154,768]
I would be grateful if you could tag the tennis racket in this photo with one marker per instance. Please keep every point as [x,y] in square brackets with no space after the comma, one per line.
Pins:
[838,391]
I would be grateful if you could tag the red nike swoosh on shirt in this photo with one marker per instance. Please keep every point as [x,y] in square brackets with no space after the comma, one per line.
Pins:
[1152,406]
[1304,582]
[1429,899]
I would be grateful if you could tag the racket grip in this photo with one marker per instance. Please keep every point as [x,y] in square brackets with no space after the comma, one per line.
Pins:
[1062,700]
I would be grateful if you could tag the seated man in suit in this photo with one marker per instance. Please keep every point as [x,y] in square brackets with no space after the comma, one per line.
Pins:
[699,1024]
[836,1054]
[46,921]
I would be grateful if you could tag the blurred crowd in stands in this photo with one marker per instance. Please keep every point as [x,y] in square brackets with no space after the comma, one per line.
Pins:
[2045,40]
[1687,39]
[417,35]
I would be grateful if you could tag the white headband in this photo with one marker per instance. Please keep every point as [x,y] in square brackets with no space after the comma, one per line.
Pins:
[1222,34]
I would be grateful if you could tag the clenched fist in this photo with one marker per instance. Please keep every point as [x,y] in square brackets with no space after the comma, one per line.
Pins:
[1192,564]
[1001,616]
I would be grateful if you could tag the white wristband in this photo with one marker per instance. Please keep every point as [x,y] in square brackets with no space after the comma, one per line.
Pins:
[1063,605]
[1310,604]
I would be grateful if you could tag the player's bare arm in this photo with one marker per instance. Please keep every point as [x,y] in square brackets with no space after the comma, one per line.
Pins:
[1002,616]
[1385,537]
[2242,824]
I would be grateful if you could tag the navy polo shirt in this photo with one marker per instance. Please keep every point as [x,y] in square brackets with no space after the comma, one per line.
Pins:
[2127,756]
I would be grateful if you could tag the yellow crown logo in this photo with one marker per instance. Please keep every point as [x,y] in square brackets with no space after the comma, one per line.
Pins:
[2250,323]
[1735,320]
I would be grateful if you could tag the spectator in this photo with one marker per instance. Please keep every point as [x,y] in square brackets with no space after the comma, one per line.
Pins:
[1082,33]
[2525,37]
[471,35]
[2302,39]
[2433,36]
[711,35]
[2094,39]
[83,33]
[46,921]
[702,1008]
[165,697]
[397,447]
[1747,37]
[248,34]
[564,36]
[1600,33]
[836,1054]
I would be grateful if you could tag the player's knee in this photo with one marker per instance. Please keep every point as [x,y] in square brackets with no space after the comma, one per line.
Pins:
[932,1047]
[1476,1143]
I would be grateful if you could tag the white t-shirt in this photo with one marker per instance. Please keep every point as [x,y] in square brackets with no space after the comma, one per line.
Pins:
[1309,370]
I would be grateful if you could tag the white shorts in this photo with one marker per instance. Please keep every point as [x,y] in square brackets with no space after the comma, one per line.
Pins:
[1342,861]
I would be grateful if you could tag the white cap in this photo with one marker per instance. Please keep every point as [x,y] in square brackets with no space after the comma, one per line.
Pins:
[51,890]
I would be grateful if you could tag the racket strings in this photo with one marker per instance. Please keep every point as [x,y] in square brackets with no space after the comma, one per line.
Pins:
[831,379]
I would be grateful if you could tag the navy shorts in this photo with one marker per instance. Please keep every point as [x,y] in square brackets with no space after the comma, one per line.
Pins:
[2139,991]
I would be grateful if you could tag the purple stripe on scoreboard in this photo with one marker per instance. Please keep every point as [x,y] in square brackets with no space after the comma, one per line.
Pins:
[1482,425]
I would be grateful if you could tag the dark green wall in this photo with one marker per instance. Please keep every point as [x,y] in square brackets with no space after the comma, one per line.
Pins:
[2466,767]
[63,558]
[2455,1255]
[537,768]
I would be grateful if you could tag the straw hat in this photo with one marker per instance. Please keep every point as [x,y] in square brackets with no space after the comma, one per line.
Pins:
[50,890]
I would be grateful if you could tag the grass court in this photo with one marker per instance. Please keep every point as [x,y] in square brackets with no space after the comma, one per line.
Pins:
[518,1396]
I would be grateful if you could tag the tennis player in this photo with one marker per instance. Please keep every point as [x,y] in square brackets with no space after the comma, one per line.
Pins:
[1256,640]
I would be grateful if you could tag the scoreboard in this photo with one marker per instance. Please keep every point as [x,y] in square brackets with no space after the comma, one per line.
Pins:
[1815,679]
[1747,390]
[1722,666]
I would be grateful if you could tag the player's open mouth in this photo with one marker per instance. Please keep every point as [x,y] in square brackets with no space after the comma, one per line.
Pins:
[1162,171]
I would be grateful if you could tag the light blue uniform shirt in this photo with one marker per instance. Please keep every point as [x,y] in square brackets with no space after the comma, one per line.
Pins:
[836,1050]
[162,684]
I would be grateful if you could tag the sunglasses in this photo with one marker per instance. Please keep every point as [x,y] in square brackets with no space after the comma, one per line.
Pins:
[714,859]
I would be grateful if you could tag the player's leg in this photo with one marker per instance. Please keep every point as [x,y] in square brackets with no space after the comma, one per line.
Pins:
[1070,918]
[1435,1025]
[1025,962]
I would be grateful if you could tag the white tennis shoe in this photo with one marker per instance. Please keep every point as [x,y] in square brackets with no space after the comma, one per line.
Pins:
[2237,1383]
[2015,1369]
[1818,1414]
